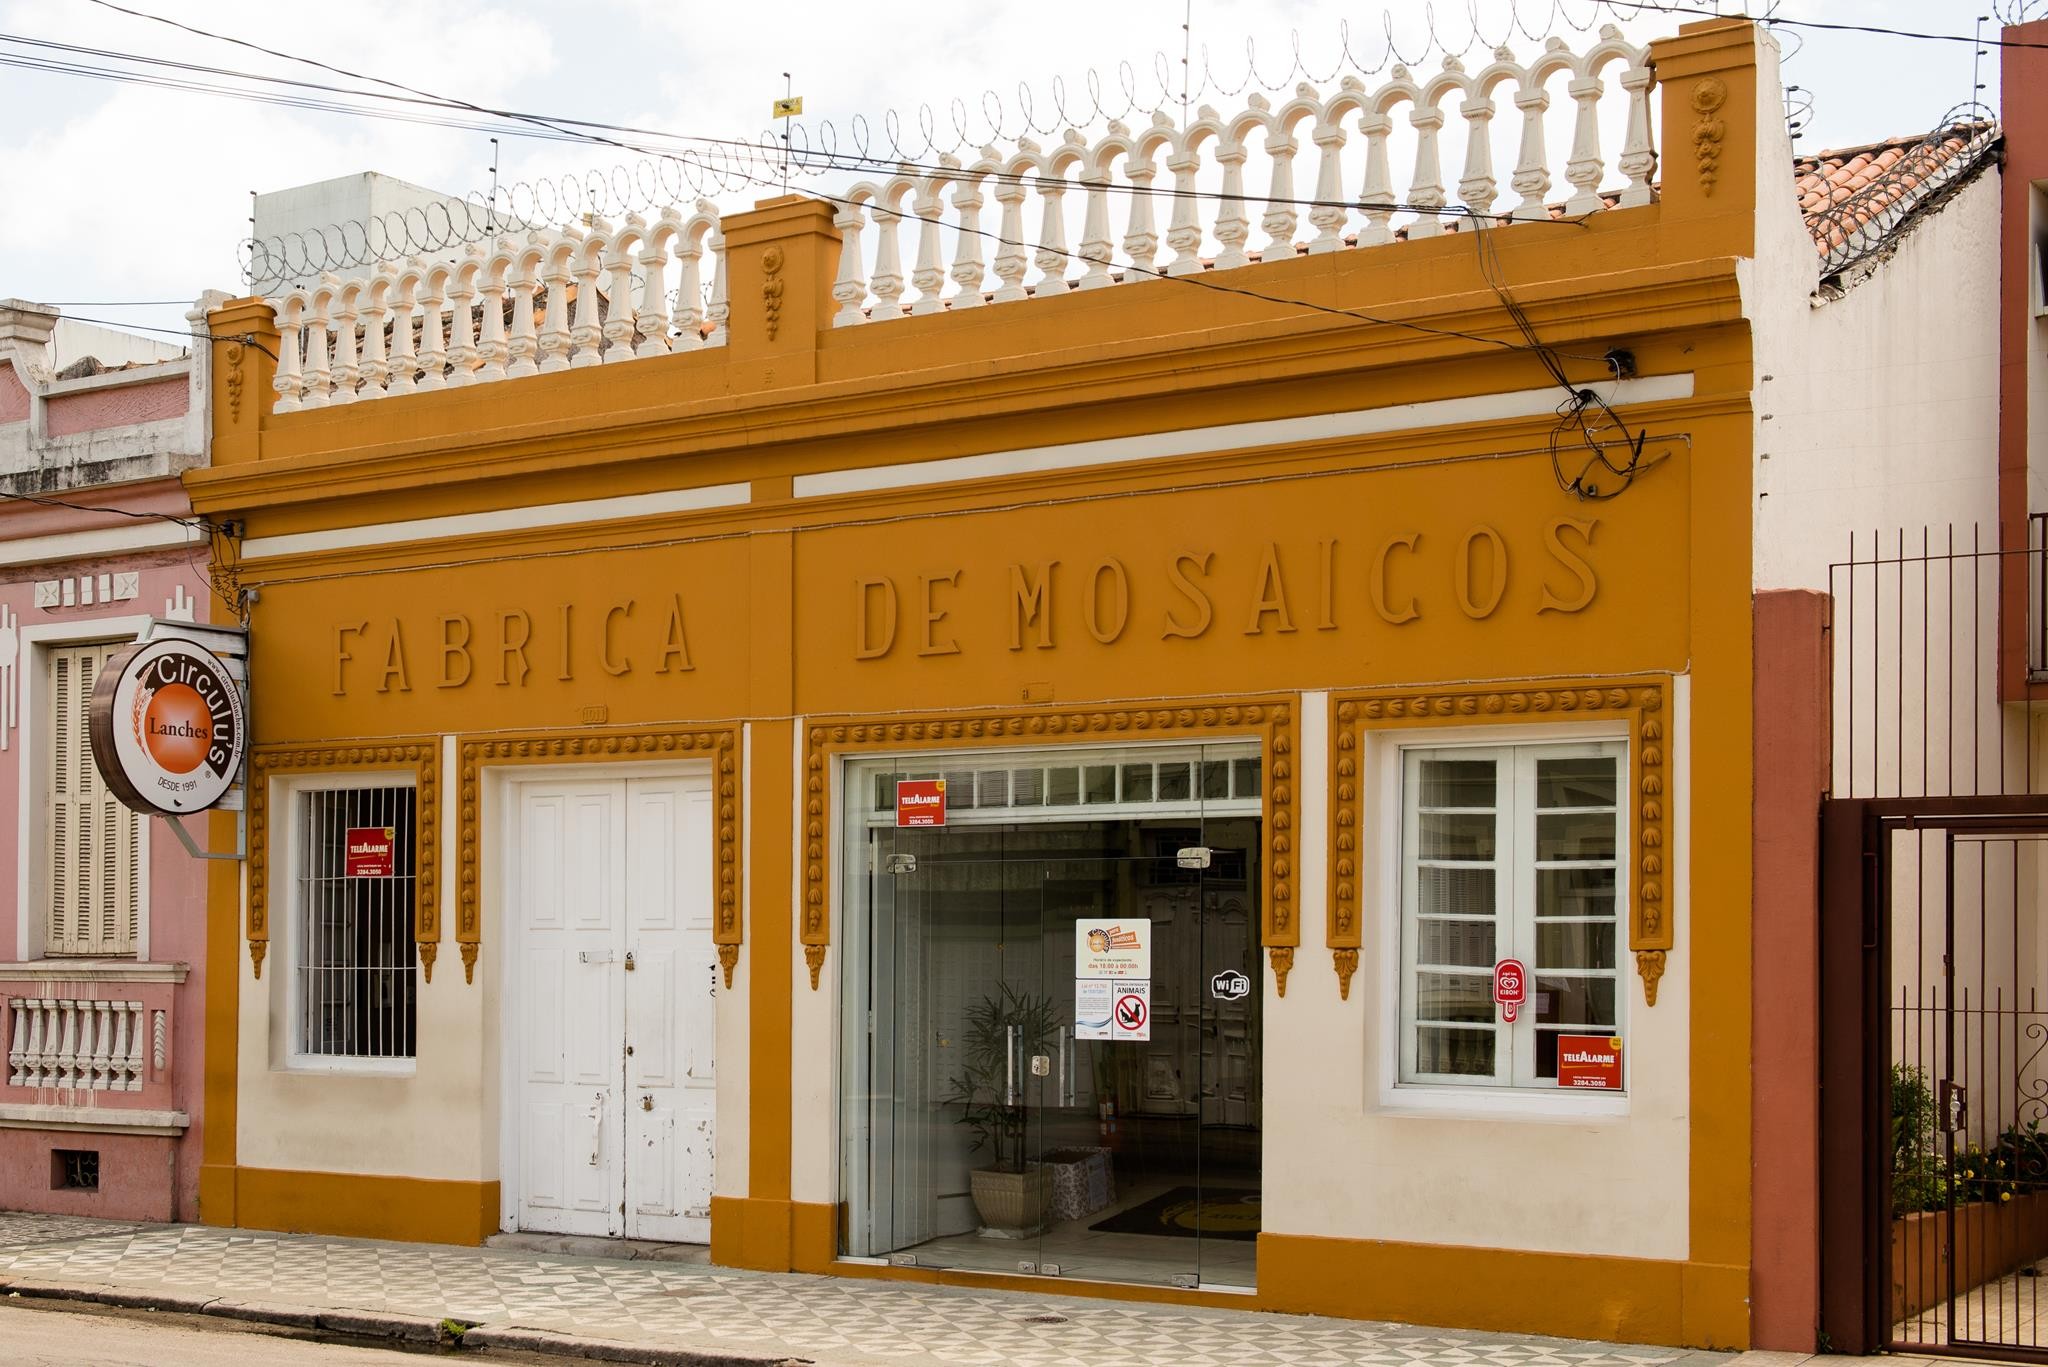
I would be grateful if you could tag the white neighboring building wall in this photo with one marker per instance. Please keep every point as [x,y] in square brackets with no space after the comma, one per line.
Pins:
[1876,410]
[304,231]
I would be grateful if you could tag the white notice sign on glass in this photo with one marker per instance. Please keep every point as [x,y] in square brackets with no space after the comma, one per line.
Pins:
[1092,1004]
[1113,978]
[1113,948]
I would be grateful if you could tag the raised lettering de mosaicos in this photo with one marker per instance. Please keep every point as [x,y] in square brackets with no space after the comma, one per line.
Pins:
[1320,586]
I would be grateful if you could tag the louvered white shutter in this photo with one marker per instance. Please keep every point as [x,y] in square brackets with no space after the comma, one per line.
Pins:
[95,870]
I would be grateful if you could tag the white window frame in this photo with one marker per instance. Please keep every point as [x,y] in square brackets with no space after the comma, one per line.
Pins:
[32,864]
[1388,754]
[286,846]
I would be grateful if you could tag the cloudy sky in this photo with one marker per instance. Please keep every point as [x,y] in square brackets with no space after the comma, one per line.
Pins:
[127,192]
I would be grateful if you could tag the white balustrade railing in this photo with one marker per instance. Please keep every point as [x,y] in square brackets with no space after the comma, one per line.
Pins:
[73,1045]
[412,326]
[504,312]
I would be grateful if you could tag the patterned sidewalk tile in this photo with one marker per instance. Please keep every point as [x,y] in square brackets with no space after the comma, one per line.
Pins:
[838,1322]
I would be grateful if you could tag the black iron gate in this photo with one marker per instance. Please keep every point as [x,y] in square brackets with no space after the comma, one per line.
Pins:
[1935,1023]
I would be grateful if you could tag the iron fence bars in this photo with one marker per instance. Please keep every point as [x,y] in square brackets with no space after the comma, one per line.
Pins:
[1916,647]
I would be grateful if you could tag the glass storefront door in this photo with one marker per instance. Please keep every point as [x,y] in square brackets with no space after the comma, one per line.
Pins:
[1052,1020]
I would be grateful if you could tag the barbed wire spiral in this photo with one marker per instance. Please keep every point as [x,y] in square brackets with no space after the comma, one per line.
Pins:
[708,168]
[1860,226]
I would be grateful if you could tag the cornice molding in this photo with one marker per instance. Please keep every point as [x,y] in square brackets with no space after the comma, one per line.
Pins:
[1692,294]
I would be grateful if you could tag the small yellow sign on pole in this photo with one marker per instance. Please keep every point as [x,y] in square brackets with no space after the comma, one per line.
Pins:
[789,108]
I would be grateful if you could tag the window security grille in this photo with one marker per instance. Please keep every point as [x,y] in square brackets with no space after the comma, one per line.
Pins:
[356,986]
[95,883]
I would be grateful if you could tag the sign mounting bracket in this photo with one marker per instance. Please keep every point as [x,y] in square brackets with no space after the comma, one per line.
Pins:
[240,851]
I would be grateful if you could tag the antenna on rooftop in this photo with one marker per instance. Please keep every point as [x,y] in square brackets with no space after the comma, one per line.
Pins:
[786,108]
[491,214]
[1187,47]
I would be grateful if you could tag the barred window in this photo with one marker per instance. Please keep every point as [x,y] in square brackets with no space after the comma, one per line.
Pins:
[94,891]
[355,955]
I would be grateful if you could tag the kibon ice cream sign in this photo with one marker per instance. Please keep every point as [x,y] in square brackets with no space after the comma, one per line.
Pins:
[167,727]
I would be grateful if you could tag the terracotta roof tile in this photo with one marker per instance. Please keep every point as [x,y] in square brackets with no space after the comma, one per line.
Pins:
[1853,197]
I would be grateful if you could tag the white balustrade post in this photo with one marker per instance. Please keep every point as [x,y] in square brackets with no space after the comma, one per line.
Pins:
[554,331]
[433,340]
[1011,261]
[887,282]
[850,285]
[104,1023]
[318,378]
[720,308]
[17,1043]
[1184,230]
[928,277]
[1378,190]
[1638,152]
[67,1047]
[1096,245]
[1477,189]
[690,295]
[462,292]
[288,383]
[970,252]
[1141,235]
[1282,216]
[42,1040]
[1328,214]
[131,1024]
[619,322]
[493,350]
[346,371]
[651,319]
[1233,224]
[376,366]
[585,334]
[1427,192]
[1531,179]
[405,361]
[1585,167]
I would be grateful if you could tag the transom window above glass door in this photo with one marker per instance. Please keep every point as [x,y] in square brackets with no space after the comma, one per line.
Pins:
[1508,853]
[1060,785]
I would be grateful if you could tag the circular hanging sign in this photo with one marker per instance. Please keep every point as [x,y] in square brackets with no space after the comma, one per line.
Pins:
[167,727]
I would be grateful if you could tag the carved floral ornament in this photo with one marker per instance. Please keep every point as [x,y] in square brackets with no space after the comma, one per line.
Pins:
[1639,702]
[1271,720]
[720,745]
[423,758]
[1708,130]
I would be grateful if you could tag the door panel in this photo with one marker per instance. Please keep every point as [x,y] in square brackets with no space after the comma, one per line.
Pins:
[568,898]
[670,1085]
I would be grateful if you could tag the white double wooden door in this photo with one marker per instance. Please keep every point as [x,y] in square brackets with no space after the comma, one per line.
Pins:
[613,1007]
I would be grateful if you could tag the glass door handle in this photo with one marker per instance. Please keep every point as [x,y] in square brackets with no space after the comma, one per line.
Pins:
[1010,1041]
[1066,1052]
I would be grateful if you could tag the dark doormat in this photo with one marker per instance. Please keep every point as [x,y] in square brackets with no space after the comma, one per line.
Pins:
[1223,1213]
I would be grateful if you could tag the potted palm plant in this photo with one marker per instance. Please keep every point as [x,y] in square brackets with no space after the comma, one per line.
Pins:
[1010,1192]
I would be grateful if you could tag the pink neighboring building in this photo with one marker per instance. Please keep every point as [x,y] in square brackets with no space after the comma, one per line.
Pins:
[102,921]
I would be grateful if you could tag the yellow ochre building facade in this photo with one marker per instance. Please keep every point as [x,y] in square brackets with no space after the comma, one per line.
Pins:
[1252,625]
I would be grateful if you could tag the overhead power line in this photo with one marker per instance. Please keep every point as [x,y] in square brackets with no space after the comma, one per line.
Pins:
[1578,401]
